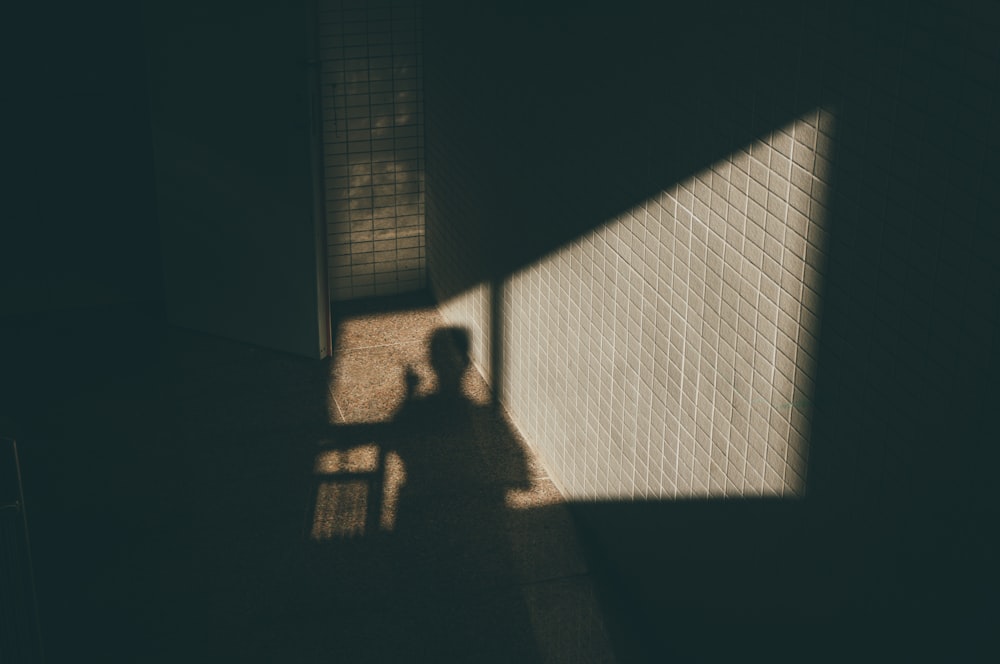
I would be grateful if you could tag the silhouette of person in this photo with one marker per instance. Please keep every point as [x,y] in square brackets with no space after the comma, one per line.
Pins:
[448,542]
[449,444]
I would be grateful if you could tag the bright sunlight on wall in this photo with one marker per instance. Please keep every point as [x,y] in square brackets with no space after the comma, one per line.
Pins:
[670,353]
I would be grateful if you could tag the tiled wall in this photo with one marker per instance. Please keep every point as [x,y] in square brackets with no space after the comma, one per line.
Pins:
[666,350]
[669,353]
[669,349]
[460,189]
[373,146]
[732,269]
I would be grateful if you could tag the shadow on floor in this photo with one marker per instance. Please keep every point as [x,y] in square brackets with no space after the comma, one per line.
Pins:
[192,500]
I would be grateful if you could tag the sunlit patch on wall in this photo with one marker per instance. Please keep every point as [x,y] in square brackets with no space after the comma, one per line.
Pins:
[357,493]
[670,352]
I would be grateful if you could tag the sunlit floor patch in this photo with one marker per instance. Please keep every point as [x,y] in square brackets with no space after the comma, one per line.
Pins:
[341,509]
[358,492]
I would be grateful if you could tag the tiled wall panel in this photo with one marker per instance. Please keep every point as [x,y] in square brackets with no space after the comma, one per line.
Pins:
[742,282]
[373,146]
[672,350]
[669,353]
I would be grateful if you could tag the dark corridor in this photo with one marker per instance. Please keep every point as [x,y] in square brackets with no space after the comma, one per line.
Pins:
[191,498]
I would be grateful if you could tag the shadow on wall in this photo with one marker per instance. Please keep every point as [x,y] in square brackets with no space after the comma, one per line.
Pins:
[594,114]
[595,110]
[532,149]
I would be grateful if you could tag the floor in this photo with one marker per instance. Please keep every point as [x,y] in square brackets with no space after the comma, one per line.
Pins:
[196,499]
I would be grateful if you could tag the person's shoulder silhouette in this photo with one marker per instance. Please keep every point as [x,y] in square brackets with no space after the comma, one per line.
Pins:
[446,437]
[448,354]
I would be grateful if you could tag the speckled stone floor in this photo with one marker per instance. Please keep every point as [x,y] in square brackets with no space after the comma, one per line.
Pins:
[471,519]
[196,499]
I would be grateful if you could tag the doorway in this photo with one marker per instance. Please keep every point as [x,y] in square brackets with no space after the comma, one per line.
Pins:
[373,147]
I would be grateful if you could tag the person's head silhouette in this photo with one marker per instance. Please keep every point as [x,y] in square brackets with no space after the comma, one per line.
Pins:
[449,356]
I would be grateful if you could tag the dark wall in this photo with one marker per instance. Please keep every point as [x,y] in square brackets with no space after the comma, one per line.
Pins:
[78,224]
[234,143]
[541,125]
[910,325]
[562,116]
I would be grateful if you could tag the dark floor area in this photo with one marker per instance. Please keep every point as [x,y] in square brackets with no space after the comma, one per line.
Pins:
[196,499]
